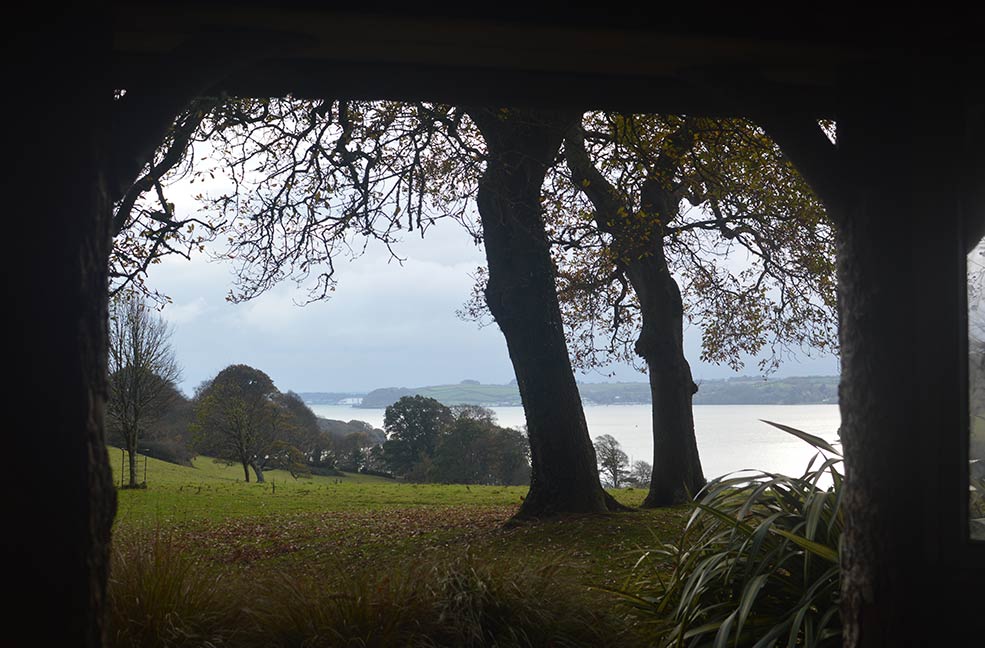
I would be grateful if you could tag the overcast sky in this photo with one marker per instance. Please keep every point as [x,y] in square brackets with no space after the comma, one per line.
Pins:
[386,325]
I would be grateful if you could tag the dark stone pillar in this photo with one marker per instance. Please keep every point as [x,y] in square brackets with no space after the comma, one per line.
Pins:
[59,498]
[900,280]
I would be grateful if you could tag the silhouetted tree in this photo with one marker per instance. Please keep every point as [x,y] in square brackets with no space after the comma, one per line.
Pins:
[413,425]
[473,412]
[643,202]
[522,297]
[240,418]
[142,371]
[375,463]
[612,460]
[474,450]
[338,440]
[303,432]
[283,456]
[323,174]
[640,474]
[664,204]
[169,437]
[145,226]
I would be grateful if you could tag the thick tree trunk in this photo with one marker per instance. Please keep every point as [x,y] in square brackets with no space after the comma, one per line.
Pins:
[246,471]
[522,296]
[132,456]
[259,472]
[677,474]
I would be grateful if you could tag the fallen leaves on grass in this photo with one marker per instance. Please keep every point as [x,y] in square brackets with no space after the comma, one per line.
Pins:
[335,534]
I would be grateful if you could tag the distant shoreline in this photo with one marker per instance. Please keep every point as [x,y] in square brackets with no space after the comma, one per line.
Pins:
[588,404]
[798,390]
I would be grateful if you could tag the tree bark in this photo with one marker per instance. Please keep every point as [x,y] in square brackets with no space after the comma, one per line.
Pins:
[259,472]
[132,456]
[677,475]
[246,471]
[522,297]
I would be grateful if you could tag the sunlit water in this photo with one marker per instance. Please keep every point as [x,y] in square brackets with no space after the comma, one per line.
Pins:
[730,437]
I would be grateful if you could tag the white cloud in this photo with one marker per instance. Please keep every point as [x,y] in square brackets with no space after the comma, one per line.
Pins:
[185,313]
[387,324]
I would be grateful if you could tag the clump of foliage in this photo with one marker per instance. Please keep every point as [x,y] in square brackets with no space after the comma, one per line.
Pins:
[241,417]
[160,597]
[430,442]
[757,563]
[463,603]
[612,461]
[157,596]
[688,193]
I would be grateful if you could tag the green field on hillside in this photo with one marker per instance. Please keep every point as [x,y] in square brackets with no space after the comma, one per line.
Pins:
[200,557]
[216,491]
[359,522]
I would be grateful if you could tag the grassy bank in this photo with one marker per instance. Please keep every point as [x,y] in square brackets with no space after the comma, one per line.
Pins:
[254,546]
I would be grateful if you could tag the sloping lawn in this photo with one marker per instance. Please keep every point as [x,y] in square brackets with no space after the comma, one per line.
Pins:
[340,534]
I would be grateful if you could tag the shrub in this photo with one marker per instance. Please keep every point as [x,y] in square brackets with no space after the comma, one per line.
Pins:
[757,564]
[465,603]
[171,450]
[158,597]
[326,472]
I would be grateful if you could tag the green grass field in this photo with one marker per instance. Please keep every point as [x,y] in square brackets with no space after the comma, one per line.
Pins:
[247,547]
[363,523]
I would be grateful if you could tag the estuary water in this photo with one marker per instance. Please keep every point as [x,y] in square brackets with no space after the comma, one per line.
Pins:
[730,437]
